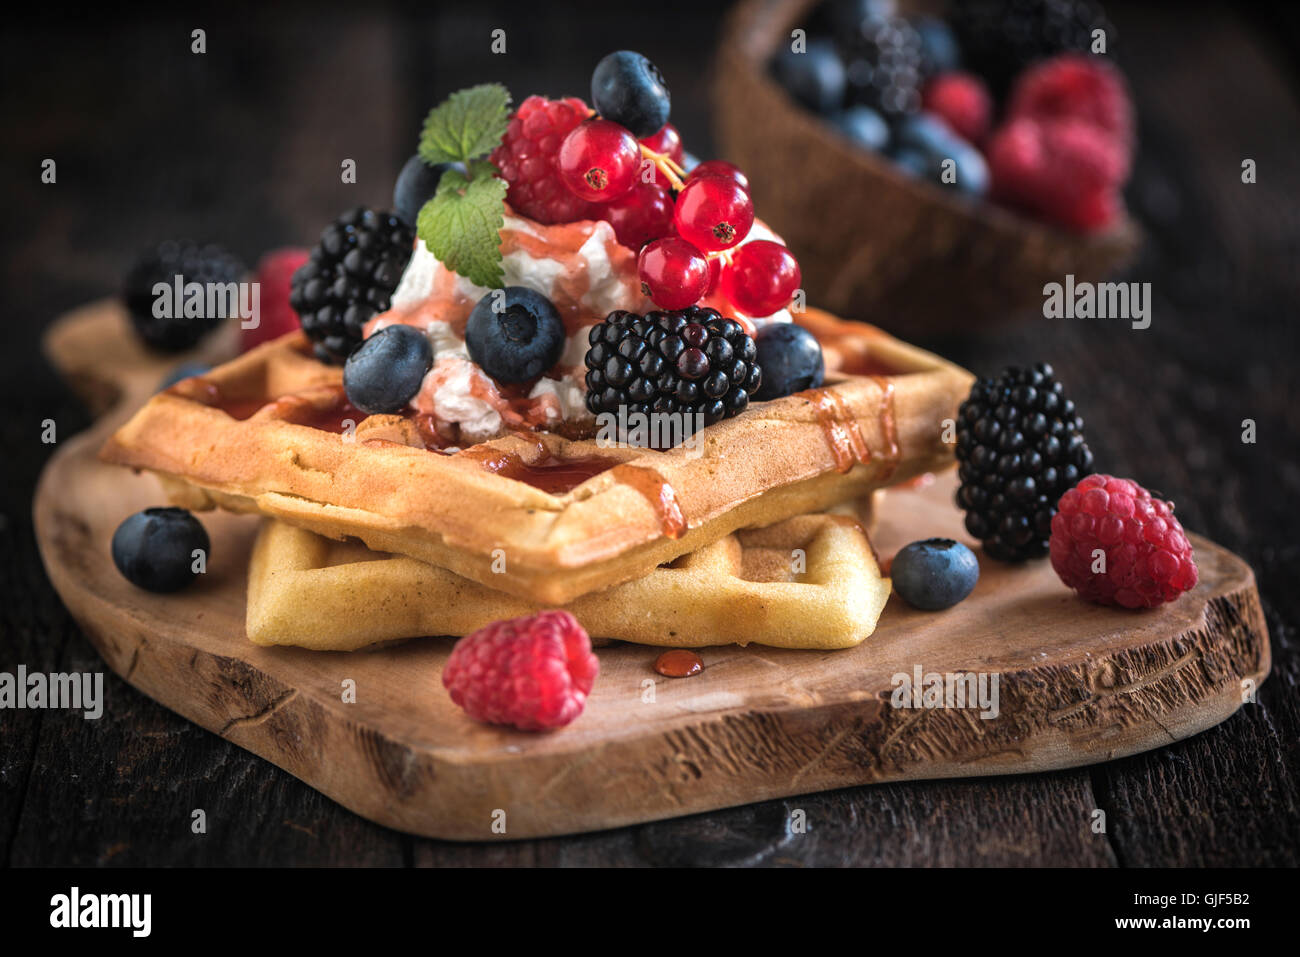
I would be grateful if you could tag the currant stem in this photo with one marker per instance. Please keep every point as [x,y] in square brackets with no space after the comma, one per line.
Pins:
[664,163]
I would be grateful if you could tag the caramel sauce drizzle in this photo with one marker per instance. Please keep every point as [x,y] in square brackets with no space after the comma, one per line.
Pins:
[843,435]
[888,424]
[661,496]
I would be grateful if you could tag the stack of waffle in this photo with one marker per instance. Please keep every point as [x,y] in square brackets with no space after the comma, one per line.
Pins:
[755,532]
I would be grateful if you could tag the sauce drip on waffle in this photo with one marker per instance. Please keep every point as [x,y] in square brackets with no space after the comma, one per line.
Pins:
[844,434]
[658,493]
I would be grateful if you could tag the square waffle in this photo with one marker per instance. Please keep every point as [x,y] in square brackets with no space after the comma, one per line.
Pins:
[811,581]
[540,516]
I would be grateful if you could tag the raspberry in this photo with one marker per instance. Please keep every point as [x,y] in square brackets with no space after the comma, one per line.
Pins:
[1148,560]
[1073,86]
[1067,171]
[533,673]
[274,278]
[527,160]
[963,101]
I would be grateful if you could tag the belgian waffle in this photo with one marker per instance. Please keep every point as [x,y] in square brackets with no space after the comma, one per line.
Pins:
[541,516]
[811,581]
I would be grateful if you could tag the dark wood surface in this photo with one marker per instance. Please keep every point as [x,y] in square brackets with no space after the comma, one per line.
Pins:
[242,146]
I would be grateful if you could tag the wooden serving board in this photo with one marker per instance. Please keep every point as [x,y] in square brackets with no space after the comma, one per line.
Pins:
[1078,683]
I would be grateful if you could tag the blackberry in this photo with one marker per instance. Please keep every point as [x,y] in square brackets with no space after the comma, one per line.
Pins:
[883,64]
[349,278]
[999,38]
[1020,447]
[686,361]
[193,263]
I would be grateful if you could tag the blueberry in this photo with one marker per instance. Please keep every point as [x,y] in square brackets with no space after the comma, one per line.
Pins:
[815,77]
[864,126]
[689,161]
[629,89]
[416,184]
[934,574]
[970,172]
[923,131]
[386,370]
[154,549]
[514,334]
[911,161]
[185,370]
[791,360]
[939,50]
[924,142]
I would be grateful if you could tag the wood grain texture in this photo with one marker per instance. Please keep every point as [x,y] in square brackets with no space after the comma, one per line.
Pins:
[255,128]
[1077,683]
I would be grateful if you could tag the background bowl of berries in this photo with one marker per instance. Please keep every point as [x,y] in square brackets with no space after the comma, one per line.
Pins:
[932,166]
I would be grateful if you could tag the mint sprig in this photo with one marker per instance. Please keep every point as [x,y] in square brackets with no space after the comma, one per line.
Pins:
[461,223]
[466,125]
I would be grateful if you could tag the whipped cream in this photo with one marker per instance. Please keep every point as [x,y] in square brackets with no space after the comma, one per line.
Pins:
[580,267]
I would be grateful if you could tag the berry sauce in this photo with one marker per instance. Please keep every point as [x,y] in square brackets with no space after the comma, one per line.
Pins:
[206,392]
[332,416]
[549,474]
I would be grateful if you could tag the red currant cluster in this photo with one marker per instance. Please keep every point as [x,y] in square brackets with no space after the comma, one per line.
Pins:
[688,228]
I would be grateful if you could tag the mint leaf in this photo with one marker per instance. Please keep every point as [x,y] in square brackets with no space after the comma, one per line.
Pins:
[462,223]
[467,124]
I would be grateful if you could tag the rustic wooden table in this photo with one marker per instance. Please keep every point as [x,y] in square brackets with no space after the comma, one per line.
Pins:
[242,145]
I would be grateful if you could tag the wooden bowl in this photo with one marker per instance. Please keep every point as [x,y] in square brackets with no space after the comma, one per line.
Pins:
[874,243]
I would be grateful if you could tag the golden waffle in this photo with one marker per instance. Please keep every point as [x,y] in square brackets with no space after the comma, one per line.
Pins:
[262,433]
[806,582]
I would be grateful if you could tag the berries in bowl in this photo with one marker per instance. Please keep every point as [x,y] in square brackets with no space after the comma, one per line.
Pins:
[887,157]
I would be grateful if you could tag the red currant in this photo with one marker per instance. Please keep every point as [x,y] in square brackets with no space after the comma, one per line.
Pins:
[644,214]
[599,160]
[721,168]
[713,213]
[761,278]
[715,274]
[673,273]
[667,141]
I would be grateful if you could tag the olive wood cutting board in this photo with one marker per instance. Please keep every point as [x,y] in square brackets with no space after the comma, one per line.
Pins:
[1077,683]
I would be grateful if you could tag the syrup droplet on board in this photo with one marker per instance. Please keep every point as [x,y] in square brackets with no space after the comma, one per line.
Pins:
[679,663]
